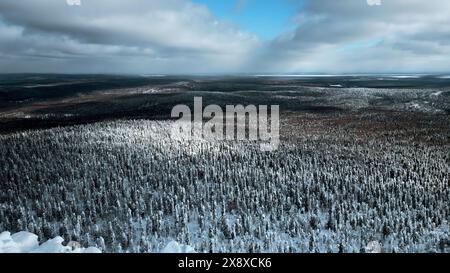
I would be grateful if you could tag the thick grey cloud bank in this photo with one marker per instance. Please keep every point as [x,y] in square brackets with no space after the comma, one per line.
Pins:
[177,36]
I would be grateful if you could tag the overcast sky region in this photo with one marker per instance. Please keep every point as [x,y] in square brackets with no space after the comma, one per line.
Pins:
[225,36]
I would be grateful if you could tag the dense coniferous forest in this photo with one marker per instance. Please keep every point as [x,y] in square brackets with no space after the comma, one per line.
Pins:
[335,184]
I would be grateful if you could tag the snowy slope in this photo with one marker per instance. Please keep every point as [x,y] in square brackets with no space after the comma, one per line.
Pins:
[174,247]
[26,242]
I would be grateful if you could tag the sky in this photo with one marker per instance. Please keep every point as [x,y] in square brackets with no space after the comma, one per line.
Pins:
[224,36]
[267,19]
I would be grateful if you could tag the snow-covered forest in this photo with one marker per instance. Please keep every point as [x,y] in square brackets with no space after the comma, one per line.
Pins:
[334,185]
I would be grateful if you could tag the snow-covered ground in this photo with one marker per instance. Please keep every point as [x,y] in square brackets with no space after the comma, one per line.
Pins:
[26,242]
[174,247]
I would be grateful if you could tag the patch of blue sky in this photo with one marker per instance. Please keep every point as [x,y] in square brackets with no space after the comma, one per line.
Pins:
[265,18]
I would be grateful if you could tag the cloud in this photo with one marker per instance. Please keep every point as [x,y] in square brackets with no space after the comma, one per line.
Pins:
[400,35]
[178,36]
[374,2]
[162,35]
[73,2]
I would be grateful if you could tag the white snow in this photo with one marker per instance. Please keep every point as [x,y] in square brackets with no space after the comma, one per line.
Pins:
[174,247]
[26,242]
[18,242]
[374,247]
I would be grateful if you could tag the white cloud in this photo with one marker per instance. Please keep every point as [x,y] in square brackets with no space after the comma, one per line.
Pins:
[412,35]
[73,2]
[177,36]
[162,35]
[374,2]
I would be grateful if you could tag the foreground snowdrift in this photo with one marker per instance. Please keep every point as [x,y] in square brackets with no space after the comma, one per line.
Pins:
[26,242]
[174,247]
